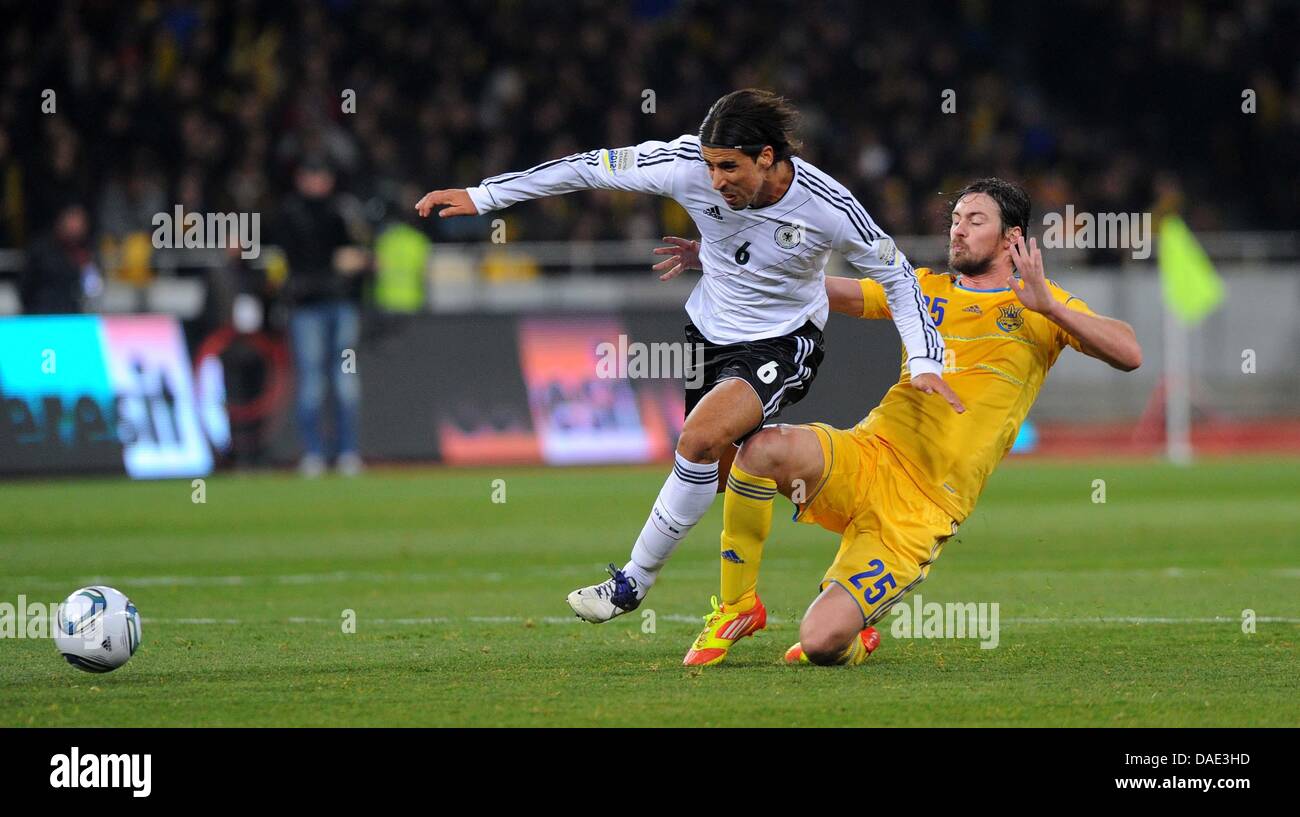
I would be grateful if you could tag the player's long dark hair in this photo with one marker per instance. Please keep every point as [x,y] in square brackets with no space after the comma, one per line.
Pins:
[751,119]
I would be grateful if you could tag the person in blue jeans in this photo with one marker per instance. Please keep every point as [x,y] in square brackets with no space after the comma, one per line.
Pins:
[324,318]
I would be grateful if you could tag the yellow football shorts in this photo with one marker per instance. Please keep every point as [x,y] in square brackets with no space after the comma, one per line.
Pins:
[891,533]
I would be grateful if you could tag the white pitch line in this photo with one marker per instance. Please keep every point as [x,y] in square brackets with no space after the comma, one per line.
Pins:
[683,619]
[334,577]
[1150,620]
[496,577]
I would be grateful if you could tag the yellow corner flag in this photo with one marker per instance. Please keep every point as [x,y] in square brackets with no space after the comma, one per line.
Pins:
[1192,287]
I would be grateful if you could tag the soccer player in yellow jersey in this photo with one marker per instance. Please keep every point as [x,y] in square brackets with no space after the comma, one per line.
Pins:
[897,485]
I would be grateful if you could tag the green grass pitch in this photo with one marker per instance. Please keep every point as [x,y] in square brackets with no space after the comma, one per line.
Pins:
[1117,614]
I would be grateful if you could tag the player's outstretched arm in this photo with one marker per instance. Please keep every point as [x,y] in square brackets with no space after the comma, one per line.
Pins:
[1106,339]
[645,168]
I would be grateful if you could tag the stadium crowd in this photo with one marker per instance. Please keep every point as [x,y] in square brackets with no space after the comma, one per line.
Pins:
[212,105]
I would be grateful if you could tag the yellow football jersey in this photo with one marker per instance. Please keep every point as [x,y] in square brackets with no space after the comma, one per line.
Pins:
[998,353]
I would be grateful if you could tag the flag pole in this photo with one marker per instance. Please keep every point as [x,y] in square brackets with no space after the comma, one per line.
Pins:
[1192,289]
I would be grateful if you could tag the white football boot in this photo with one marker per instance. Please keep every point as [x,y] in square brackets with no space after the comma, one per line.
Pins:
[609,599]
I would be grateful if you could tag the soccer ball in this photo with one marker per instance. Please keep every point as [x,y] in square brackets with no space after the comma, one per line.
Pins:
[99,629]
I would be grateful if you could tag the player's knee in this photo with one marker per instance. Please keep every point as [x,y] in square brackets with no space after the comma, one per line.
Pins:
[823,647]
[700,445]
[764,453]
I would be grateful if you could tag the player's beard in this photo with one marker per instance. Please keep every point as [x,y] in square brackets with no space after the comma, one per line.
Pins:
[969,264]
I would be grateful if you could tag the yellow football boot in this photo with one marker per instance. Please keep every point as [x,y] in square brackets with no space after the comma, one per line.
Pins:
[722,628]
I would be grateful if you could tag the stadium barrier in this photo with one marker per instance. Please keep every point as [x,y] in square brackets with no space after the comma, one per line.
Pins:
[508,373]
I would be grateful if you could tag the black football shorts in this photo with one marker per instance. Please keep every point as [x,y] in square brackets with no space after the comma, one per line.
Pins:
[779,369]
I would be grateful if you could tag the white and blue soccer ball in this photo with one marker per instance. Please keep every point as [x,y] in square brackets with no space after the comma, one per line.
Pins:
[99,629]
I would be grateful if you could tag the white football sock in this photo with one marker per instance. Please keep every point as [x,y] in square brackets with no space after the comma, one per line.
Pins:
[685,498]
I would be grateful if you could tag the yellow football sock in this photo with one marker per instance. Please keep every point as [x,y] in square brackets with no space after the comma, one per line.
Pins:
[853,654]
[746,521]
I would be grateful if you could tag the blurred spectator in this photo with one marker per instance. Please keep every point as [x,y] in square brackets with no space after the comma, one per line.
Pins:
[325,315]
[401,257]
[60,272]
[199,99]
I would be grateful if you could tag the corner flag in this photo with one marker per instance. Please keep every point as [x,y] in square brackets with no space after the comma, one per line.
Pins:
[1192,287]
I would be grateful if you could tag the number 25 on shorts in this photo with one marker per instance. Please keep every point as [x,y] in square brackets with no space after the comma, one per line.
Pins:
[881,586]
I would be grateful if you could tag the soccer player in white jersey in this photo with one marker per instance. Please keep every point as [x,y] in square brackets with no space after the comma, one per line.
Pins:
[767,222]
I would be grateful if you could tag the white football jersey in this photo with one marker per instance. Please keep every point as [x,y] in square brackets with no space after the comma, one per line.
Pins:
[764,268]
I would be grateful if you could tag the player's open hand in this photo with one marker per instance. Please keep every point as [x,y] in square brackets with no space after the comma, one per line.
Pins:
[452,203]
[1031,289]
[684,254]
[933,384]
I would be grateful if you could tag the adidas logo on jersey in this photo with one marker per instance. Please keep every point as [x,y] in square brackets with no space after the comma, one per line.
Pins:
[974,308]
[713,212]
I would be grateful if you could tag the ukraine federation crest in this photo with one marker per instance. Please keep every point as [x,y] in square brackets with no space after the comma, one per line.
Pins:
[788,236]
[1011,319]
